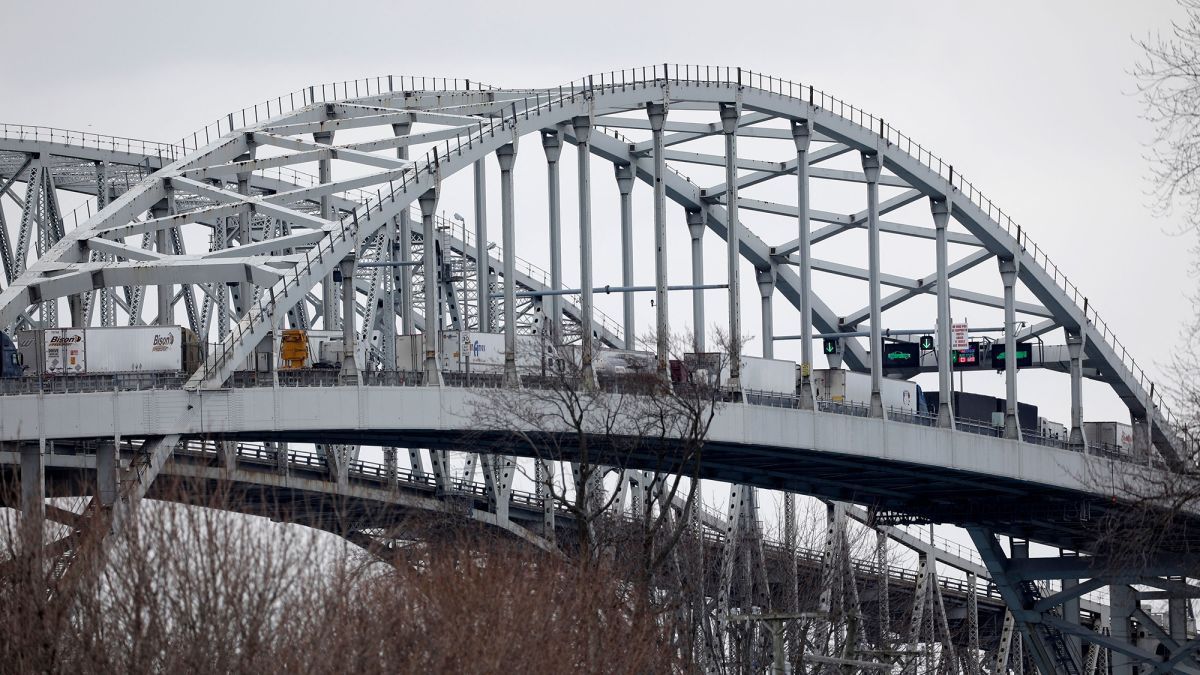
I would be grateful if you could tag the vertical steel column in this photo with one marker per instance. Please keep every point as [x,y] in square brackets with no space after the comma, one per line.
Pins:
[349,348]
[245,290]
[108,307]
[625,187]
[106,472]
[390,469]
[483,266]
[941,219]
[403,274]
[658,117]
[730,114]
[583,130]
[507,156]
[544,489]
[552,144]
[388,280]
[870,164]
[766,288]
[1177,618]
[1070,607]
[324,176]
[882,591]
[1122,603]
[802,135]
[33,496]
[433,325]
[1008,274]
[695,221]
[165,292]
[973,663]
[1075,344]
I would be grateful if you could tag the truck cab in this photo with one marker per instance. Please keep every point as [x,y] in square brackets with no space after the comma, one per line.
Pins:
[10,358]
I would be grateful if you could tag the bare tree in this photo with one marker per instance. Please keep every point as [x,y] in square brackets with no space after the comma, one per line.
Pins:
[630,416]
[1169,83]
[201,589]
[1150,505]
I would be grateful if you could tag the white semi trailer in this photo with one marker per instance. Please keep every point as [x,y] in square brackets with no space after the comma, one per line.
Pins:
[459,351]
[124,349]
[845,386]
[757,374]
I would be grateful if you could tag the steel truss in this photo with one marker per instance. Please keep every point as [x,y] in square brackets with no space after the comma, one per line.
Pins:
[276,237]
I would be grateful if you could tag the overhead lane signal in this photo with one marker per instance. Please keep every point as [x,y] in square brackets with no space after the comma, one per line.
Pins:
[901,355]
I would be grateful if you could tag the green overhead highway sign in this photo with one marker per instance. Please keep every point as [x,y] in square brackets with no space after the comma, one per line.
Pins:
[1024,355]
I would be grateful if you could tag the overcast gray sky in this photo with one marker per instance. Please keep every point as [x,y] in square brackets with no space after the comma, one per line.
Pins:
[1032,101]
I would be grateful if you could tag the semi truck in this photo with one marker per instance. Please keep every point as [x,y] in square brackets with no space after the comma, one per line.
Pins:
[1114,435]
[846,386]
[982,409]
[481,353]
[10,358]
[757,374]
[90,351]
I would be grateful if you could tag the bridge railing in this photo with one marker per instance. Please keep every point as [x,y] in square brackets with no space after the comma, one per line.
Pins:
[331,92]
[87,139]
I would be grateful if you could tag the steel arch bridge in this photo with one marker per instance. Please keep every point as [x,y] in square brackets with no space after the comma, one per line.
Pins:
[274,237]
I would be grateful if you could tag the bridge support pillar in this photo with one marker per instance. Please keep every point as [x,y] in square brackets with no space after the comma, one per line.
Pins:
[1008,274]
[802,135]
[552,145]
[624,174]
[33,495]
[696,223]
[403,274]
[1070,607]
[1075,344]
[507,156]
[433,324]
[106,472]
[871,167]
[583,130]
[1123,603]
[766,289]
[544,489]
[390,469]
[945,356]
[1141,436]
[730,116]
[657,112]
[325,175]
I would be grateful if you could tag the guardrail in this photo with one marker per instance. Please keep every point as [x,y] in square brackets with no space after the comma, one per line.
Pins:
[87,139]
